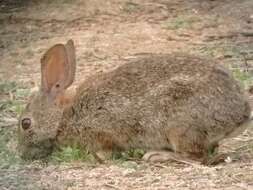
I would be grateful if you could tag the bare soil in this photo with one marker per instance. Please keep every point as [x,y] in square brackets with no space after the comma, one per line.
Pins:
[107,33]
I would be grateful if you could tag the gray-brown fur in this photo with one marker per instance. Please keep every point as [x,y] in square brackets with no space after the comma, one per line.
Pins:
[180,103]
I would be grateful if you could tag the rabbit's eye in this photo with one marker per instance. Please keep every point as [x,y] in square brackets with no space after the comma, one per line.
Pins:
[26,123]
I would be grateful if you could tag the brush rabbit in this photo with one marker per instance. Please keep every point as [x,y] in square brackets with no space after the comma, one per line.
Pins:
[178,103]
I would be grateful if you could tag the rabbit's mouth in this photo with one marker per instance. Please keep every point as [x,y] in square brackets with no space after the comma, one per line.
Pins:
[37,151]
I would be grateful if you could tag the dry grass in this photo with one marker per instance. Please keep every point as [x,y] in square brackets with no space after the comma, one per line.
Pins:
[106,34]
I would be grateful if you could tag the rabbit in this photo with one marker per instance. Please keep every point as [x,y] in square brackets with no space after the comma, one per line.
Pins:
[175,103]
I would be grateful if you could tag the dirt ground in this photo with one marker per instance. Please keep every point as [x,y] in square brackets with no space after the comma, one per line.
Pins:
[107,33]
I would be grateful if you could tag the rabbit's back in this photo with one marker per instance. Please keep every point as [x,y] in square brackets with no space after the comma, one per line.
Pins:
[150,100]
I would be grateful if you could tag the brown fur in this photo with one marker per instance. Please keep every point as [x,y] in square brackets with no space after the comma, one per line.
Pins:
[176,102]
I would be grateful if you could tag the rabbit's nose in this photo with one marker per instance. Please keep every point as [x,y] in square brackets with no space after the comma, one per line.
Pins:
[26,123]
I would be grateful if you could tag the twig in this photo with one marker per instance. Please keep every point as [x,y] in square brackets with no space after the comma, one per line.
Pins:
[191,163]
[111,186]
[245,62]
[247,34]
[160,166]
[72,168]
[220,37]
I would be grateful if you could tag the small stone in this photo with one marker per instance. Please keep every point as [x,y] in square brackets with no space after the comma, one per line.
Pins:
[128,172]
[228,160]
[130,164]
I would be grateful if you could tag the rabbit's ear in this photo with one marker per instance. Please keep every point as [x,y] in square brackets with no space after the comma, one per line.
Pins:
[71,56]
[57,69]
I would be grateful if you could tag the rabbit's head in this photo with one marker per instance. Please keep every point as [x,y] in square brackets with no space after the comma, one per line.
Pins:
[39,122]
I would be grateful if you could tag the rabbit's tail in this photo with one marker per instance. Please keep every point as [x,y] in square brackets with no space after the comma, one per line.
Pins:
[243,126]
[249,122]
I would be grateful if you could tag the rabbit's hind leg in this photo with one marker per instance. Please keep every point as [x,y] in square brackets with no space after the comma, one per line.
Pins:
[188,143]
[165,156]
[194,144]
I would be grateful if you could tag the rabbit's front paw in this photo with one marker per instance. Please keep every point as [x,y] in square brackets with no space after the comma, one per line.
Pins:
[102,155]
